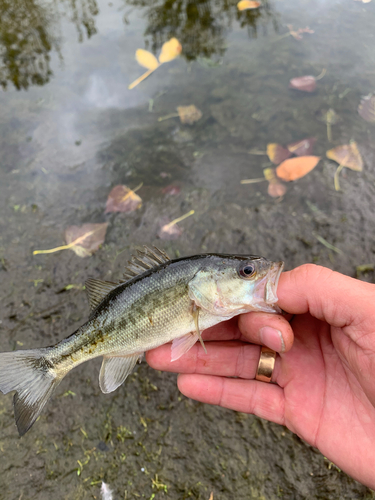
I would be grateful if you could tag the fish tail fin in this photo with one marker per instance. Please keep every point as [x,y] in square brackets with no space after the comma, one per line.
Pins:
[32,375]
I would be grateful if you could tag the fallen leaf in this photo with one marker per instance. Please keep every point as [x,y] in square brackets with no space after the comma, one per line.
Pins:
[247,4]
[146,59]
[269,174]
[303,147]
[295,168]
[189,114]
[347,156]
[277,153]
[85,240]
[330,117]
[276,189]
[170,230]
[170,50]
[367,108]
[303,83]
[171,190]
[298,35]
[123,199]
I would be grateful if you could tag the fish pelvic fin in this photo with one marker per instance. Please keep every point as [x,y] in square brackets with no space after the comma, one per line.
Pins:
[115,369]
[33,377]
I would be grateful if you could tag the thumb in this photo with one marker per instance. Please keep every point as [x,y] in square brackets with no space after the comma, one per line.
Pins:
[327,295]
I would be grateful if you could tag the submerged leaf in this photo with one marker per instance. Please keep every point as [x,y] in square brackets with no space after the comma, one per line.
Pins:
[277,153]
[146,59]
[295,168]
[170,50]
[347,156]
[123,199]
[303,147]
[298,35]
[170,230]
[171,190]
[276,189]
[269,174]
[367,108]
[189,114]
[247,4]
[85,240]
[304,83]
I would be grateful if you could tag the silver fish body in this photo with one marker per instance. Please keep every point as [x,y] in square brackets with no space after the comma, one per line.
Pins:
[160,301]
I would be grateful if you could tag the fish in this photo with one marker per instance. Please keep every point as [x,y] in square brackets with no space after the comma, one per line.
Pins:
[157,301]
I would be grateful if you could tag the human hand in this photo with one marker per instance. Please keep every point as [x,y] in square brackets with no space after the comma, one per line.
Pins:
[323,382]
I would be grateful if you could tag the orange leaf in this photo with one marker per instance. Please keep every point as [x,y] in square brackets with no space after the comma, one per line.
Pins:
[146,59]
[170,50]
[247,4]
[347,156]
[277,153]
[295,168]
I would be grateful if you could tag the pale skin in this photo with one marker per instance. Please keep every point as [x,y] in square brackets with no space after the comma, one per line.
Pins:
[324,378]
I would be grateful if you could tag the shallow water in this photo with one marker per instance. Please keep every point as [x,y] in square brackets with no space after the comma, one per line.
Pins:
[70,130]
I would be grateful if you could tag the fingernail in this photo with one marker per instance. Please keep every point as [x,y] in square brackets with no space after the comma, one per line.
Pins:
[272,338]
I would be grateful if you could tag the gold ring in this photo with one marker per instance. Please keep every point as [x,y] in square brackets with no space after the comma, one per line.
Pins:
[266,364]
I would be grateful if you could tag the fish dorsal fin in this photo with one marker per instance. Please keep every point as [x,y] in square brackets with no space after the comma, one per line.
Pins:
[144,260]
[97,290]
[115,369]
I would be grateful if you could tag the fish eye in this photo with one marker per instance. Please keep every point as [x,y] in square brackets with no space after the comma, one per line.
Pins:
[247,271]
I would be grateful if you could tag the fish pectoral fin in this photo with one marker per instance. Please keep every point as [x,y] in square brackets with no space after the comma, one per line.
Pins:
[115,369]
[195,313]
[181,345]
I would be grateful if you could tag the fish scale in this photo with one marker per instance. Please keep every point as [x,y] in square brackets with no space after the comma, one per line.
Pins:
[164,300]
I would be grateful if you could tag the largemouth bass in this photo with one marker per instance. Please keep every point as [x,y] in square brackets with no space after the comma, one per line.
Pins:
[158,301]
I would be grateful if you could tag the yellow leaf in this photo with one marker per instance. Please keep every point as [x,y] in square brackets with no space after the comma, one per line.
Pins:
[347,156]
[146,59]
[277,153]
[295,168]
[170,50]
[247,4]
[269,174]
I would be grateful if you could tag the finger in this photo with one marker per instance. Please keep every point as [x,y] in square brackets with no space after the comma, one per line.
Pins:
[248,396]
[271,330]
[327,295]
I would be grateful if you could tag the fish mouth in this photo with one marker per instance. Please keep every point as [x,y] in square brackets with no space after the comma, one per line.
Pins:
[270,290]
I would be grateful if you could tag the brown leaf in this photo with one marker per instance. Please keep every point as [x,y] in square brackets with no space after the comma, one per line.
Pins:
[146,59]
[295,168]
[367,108]
[304,83]
[298,35]
[171,190]
[303,147]
[189,114]
[85,240]
[170,50]
[276,189]
[277,153]
[347,156]
[123,199]
[247,4]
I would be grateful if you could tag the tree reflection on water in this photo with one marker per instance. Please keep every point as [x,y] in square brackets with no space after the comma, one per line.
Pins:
[199,25]
[28,35]
[30,31]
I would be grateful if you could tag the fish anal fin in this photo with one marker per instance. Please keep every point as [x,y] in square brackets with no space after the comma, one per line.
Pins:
[97,290]
[182,345]
[115,369]
[143,260]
